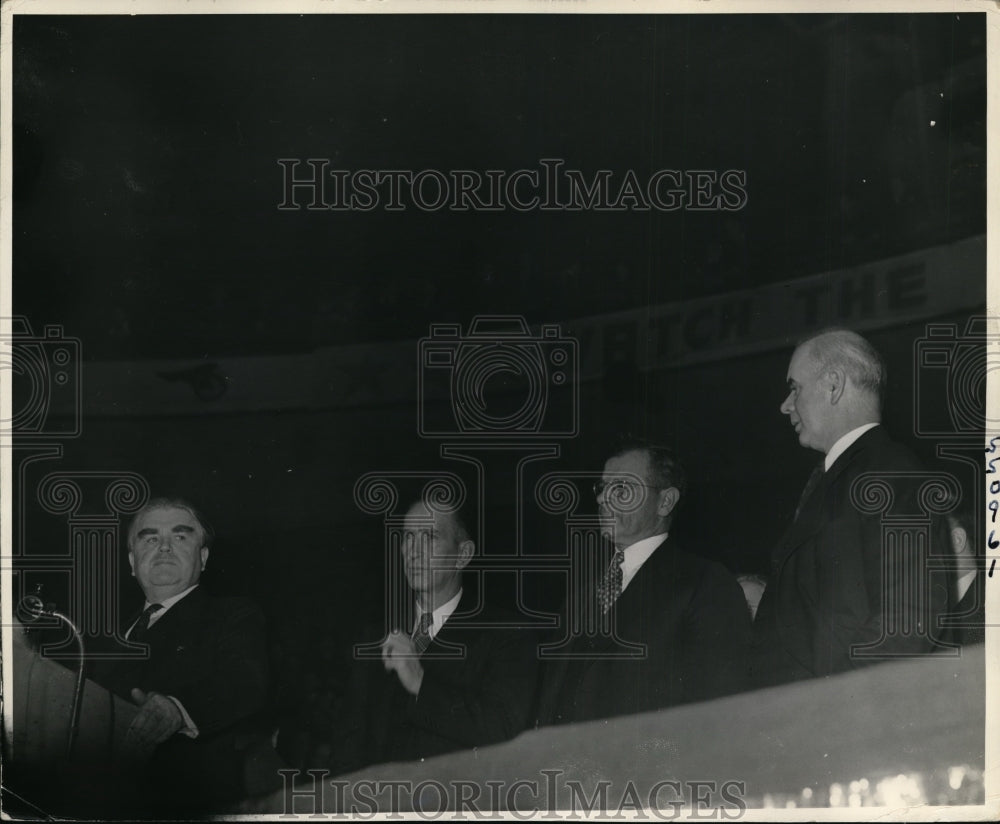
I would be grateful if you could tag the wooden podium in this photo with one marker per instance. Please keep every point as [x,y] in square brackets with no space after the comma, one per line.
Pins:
[35,745]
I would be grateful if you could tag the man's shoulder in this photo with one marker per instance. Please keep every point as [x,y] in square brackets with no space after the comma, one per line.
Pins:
[230,602]
[226,608]
[716,577]
[682,559]
[879,445]
[881,461]
[478,617]
[680,566]
[875,451]
[487,629]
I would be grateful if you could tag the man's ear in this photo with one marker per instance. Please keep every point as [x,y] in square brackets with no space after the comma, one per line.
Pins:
[131,562]
[668,500]
[959,540]
[204,557]
[466,550]
[834,381]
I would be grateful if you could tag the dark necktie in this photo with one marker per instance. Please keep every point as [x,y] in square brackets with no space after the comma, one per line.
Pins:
[422,634]
[814,479]
[611,585]
[139,627]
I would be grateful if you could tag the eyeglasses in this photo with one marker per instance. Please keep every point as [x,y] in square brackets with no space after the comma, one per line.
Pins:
[618,489]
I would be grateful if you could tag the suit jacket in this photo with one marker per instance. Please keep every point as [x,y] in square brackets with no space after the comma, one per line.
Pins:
[693,619]
[969,615]
[480,698]
[827,588]
[211,654]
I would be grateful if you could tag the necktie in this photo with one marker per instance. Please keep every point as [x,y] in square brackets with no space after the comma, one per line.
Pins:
[611,585]
[139,627]
[814,478]
[422,634]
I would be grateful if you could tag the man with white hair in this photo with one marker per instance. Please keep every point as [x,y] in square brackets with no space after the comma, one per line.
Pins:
[829,591]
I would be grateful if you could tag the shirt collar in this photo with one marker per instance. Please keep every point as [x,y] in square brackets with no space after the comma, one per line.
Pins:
[440,615]
[843,443]
[166,603]
[637,554]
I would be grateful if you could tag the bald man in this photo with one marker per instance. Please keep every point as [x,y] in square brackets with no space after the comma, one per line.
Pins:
[828,591]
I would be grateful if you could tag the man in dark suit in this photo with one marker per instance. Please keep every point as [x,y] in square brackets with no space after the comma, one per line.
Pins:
[687,614]
[823,609]
[202,689]
[452,680]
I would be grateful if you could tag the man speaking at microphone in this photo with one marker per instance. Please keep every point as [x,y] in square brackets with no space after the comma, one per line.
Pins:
[202,689]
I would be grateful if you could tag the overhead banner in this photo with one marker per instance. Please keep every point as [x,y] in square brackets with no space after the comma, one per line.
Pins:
[910,287]
[924,284]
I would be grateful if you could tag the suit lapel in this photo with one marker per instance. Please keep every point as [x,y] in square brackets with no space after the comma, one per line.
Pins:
[651,582]
[130,621]
[448,639]
[168,634]
[652,577]
[809,522]
[814,512]
[180,622]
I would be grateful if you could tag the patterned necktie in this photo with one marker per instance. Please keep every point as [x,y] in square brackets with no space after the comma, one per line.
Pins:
[814,478]
[139,627]
[422,634]
[611,586]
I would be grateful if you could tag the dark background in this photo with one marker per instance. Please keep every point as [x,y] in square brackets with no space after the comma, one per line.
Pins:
[145,222]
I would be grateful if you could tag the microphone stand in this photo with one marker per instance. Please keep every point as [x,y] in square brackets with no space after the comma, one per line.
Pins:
[31,608]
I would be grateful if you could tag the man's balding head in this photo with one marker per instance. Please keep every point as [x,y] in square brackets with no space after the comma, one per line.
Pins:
[836,381]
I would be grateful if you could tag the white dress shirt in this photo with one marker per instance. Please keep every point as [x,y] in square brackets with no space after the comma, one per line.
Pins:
[964,582]
[843,442]
[166,603]
[439,615]
[637,554]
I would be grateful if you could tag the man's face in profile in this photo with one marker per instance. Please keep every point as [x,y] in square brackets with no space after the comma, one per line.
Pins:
[167,551]
[434,550]
[806,405]
[630,500]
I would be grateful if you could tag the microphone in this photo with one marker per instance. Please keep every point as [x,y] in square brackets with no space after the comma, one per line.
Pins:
[29,609]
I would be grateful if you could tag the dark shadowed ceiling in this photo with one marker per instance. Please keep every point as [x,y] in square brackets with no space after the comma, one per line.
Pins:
[147,179]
